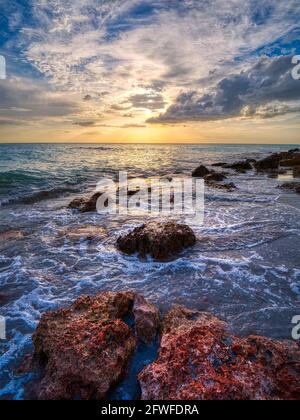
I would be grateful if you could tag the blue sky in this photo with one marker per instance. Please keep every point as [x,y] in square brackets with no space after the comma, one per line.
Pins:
[106,70]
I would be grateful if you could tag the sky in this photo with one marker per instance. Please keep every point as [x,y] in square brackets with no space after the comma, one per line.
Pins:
[178,71]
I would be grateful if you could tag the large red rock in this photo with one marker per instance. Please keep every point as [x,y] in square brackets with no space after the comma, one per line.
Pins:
[199,359]
[86,347]
[161,240]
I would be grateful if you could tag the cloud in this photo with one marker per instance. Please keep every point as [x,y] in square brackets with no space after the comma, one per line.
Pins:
[147,101]
[250,93]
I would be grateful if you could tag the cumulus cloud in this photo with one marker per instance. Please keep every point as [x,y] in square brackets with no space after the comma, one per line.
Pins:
[250,93]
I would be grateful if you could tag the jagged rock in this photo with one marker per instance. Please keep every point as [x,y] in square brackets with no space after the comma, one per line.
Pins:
[199,359]
[242,166]
[200,172]
[296,171]
[158,239]
[215,177]
[295,161]
[86,205]
[272,162]
[86,348]
[85,232]
[291,186]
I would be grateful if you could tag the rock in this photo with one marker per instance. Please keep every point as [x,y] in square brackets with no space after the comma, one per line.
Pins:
[11,235]
[294,150]
[272,162]
[227,187]
[296,172]
[200,172]
[219,164]
[200,360]
[158,239]
[295,161]
[215,177]
[147,319]
[86,348]
[242,166]
[86,205]
[292,186]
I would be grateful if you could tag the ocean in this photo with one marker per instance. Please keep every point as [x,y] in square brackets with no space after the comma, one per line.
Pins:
[245,267]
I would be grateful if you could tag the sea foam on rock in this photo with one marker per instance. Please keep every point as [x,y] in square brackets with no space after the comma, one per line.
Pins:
[160,240]
[199,359]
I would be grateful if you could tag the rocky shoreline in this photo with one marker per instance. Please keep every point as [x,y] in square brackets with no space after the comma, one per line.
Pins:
[84,350]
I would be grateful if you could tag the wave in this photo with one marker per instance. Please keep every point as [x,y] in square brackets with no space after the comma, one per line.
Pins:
[38,196]
[18,177]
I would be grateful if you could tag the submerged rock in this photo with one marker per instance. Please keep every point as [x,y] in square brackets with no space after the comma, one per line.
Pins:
[200,172]
[296,171]
[161,240]
[85,232]
[226,187]
[200,360]
[215,177]
[86,205]
[273,161]
[291,186]
[86,348]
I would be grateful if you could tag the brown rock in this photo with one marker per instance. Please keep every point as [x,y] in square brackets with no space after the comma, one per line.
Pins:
[226,187]
[291,186]
[147,319]
[200,360]
[295,161]
[85,232]
[85,348]
[158,239]
[215,177]
[86,205]
[272,162]
[296,172]
[200,172]
[242,166]
[11,235]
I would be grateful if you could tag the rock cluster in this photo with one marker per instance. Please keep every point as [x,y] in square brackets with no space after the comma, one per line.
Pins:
[272,162]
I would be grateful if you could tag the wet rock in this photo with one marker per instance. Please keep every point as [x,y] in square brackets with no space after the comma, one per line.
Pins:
[291,186]
[296,171]
[294,150]
[86,205]
[219,164]
[85,349]
[11,235]
[295,161]
[272,162]
[242,166]
[147,319]
[226,187]
[200,172]
[215,177]
[161,240]
[199,359]
[85,232]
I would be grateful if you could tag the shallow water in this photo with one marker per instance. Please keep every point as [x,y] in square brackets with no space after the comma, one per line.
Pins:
[245,267]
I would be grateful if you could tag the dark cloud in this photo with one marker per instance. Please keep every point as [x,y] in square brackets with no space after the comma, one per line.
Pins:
[85,123]
[267,82]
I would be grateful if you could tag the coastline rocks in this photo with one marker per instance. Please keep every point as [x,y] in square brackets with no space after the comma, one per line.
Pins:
[242,166]
[147,319]
[226,187]
[161,240]
[272,162]
[215,177]
[85,205]
[296,172]
[291,186]
[200,360]
[85,232]
[86,348]
[200,172]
